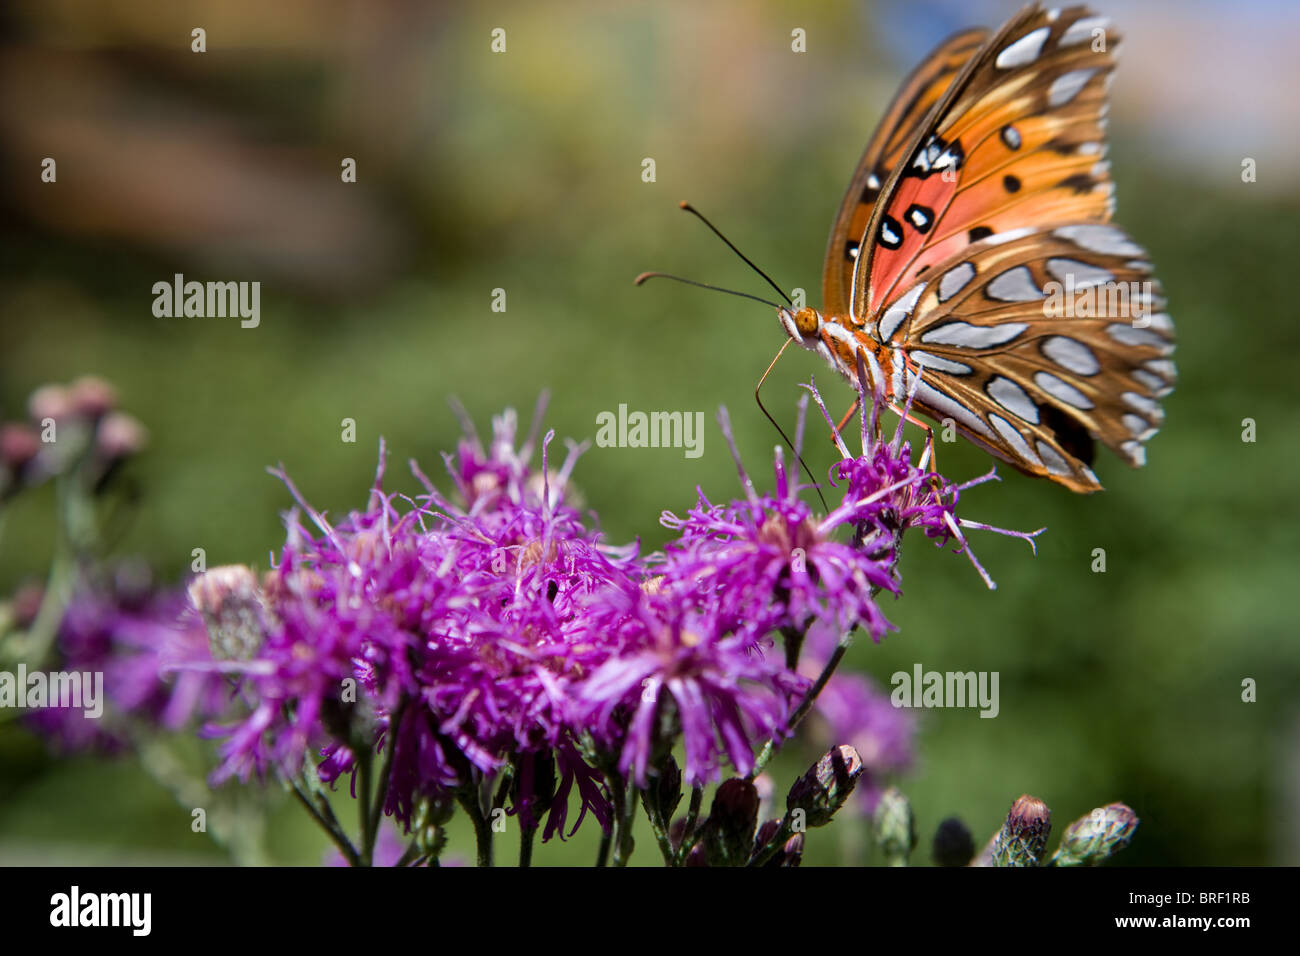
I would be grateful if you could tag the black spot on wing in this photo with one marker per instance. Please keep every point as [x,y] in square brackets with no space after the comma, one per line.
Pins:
[921,217]
[1079,182]
[1071,435]
[891,233]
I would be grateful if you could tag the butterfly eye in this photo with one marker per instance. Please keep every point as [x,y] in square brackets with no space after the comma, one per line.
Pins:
[805,320]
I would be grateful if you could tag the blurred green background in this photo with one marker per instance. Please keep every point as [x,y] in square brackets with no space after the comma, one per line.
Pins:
[522,171]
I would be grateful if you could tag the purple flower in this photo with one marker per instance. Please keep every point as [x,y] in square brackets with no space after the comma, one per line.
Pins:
[677,668]
[766,563]
[137,638]
[458,624]
[886,493]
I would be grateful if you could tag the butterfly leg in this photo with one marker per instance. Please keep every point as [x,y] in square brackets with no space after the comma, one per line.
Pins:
[929,456]
[848,416]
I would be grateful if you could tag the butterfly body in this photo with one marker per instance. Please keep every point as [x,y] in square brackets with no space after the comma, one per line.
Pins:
[973,250]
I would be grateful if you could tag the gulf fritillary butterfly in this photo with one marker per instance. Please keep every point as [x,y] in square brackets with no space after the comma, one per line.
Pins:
[973,248]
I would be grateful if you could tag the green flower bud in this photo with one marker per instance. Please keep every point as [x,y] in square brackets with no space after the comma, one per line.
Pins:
[1091,839]
[729,831]
[232,607]
[1023,838]
[824,788]
[895,827]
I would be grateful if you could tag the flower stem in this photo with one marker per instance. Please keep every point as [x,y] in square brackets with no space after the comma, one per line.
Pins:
[331,829]
[602,854]
[386,771]
[805,705]
[660,829]
[468,798]
[625,812]
[364,761]
[526,835]
[688,832]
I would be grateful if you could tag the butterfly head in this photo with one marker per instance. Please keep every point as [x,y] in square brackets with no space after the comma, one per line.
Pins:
[803,325]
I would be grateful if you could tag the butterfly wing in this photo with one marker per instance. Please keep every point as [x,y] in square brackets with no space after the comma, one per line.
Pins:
[912,104]
[1035,345]
[1016,142]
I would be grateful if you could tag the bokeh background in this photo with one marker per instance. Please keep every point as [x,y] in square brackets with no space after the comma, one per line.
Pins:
[522,171]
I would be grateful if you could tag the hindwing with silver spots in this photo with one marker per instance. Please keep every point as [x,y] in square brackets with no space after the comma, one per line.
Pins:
[1037,345]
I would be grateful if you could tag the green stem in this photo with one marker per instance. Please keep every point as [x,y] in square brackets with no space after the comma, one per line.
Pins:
[625,814]
[469,799]
[602,854]
[365,761]
[802,711]
[660,830]
[689,837]
[776,843]
[331,830]
[526,835]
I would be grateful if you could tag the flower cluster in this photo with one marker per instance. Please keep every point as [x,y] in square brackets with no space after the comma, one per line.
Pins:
[74,428]
[493,651]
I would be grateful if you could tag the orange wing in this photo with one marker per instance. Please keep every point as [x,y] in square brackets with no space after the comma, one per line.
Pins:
[1017,142]
[909,110]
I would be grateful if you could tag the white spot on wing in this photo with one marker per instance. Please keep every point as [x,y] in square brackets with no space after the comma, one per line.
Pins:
[1153,382]
[1025,50]
[1067,86]
[1056,465]
[1061,390]
[1160,322]
[954,280]
[1000,237]
[1139,426]
[1135,338]
[940,364]
[1076,274]
[1097,237]
[947,406]
[967,336]
[897,313]
[1014,285]
[1012,436]
[1080,30]
[1013,398]
[1071,355]
[1134,452]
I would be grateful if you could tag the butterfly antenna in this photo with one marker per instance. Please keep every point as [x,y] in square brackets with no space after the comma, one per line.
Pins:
[704,285]
[700,216]
[781,431]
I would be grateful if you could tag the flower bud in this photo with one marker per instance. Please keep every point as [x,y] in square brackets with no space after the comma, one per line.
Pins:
[119,436]
[895,827]
[1023,838]
[231,605]
[532,787]
[953,844]
[90,396]
[827,784]
[19,444]
[729,830]
[50,401]
[791,854]
[1091,839]
[665,791]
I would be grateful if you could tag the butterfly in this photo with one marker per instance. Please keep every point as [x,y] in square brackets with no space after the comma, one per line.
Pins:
[973,270]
